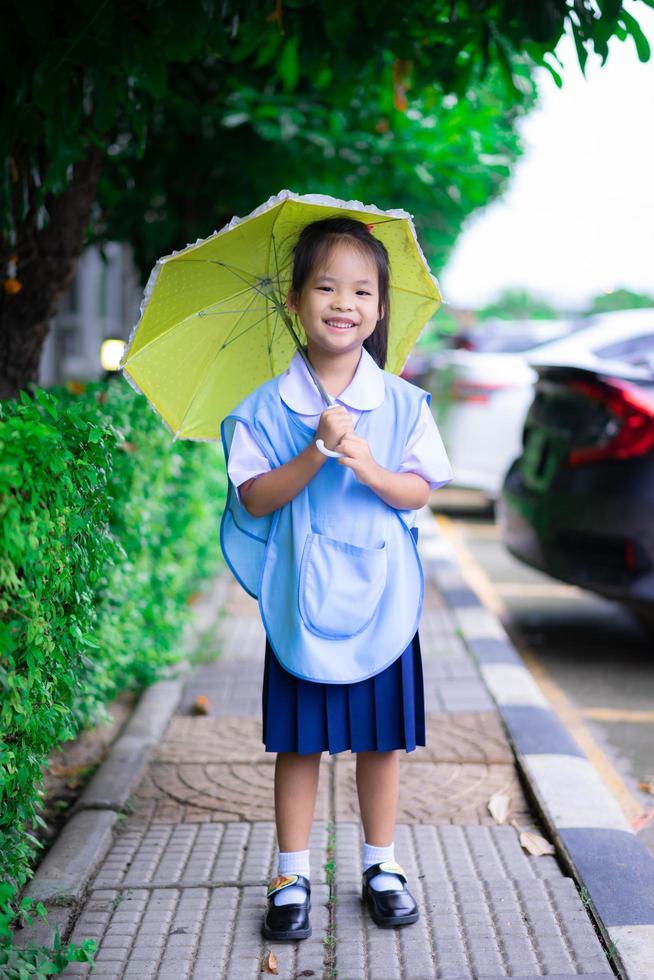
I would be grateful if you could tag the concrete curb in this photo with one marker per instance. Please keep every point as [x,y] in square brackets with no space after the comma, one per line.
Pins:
[123,769]
[584,820]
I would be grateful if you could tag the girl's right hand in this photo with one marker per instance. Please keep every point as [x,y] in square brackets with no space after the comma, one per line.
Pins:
[335,422]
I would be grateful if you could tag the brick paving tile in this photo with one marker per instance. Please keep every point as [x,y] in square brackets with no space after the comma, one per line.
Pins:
[207,739]
[241,637]
[232,687]
[238,602]
[193,855]
[194,933]
[451,737]
[213,792]
[437,636]
[439,792]
[452,684]
[487,910]
[432,598]
[464,737]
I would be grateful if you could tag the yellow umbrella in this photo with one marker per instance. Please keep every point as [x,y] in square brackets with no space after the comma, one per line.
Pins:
[213,325]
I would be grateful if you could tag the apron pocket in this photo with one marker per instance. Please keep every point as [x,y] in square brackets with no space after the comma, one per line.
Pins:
[340,585]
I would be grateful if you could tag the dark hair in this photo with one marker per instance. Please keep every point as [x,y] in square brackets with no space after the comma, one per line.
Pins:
[314,244]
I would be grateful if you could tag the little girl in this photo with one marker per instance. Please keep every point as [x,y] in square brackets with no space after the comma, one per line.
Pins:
[328,546]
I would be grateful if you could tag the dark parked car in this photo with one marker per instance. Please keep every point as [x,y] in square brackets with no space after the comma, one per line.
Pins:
[578,503]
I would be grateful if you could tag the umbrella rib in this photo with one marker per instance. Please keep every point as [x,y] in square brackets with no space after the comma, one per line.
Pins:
[226,340]
[413,292]
[246,291]
[273,241]
[209,366]
[248,309]
[240,274]
[250,326]
[230,268]
[278,299]
[274,326]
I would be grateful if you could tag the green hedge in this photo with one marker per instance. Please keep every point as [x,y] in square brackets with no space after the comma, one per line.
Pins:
[107,527]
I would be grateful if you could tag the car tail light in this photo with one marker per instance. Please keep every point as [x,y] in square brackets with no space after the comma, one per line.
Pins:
[630,559]
[631,409]
[474,391]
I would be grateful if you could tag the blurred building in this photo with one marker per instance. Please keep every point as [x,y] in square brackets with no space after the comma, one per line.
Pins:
[101,302]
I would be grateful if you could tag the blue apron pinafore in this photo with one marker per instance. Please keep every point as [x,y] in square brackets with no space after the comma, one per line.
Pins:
[336,570]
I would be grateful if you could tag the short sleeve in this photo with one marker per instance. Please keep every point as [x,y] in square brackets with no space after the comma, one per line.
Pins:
[425,454]
[245,457]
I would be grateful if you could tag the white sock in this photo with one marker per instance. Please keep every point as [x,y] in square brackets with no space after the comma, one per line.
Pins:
[292,863]
[375,855]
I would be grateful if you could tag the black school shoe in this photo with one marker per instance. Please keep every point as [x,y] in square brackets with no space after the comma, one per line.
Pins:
[287,921]
[392,908]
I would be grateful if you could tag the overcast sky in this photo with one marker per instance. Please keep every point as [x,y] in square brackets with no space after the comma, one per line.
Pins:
[578,217]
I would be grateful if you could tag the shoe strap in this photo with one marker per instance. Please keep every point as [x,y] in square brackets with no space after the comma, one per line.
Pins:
[386,867]
[285,881]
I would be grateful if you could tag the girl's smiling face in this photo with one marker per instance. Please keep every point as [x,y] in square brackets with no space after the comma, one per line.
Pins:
[339,303]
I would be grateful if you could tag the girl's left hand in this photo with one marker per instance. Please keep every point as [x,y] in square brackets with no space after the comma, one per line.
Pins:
[358,457]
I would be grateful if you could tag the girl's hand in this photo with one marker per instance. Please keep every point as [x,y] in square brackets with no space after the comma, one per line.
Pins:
[358,457]
[335,423]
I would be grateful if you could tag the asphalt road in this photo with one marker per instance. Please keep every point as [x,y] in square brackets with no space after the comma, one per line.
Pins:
[594,663]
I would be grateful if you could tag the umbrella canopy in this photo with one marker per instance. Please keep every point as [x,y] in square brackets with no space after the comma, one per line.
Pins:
[213,325]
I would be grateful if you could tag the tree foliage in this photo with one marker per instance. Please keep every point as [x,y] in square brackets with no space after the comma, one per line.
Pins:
[135,100]
[620,299]
[518,304]
[83,74]
[439,158]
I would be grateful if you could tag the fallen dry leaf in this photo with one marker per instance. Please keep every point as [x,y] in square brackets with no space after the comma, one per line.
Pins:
[533,843]
[498,807]
[646,788]
[76,387]
[201,705]
[269,963]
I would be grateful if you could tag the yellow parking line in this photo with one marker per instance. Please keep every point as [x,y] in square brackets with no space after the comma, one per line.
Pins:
[620,714]
[549,590]
[569,716]
[474,573]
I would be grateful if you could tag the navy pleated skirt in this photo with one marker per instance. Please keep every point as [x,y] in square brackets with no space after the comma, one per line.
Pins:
[384,712]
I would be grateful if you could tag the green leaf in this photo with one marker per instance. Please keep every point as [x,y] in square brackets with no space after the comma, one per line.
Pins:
[288,65]
[582,53]
[553,72]
[641,42]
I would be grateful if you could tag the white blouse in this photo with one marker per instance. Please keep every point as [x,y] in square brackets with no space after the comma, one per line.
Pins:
[424,453]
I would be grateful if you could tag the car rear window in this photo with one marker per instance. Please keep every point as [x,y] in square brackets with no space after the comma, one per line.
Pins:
[511,341]
[634,350]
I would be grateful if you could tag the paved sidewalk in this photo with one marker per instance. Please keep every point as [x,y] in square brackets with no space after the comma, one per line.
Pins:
[180,892]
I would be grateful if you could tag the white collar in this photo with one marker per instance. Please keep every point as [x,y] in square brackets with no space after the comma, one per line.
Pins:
[365,391]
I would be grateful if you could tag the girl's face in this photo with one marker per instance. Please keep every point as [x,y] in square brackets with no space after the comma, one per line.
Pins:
[339,303]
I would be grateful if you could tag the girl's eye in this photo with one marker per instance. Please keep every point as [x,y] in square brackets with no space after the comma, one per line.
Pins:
[360,292]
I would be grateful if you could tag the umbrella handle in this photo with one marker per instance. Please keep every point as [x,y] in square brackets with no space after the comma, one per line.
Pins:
[327,452]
